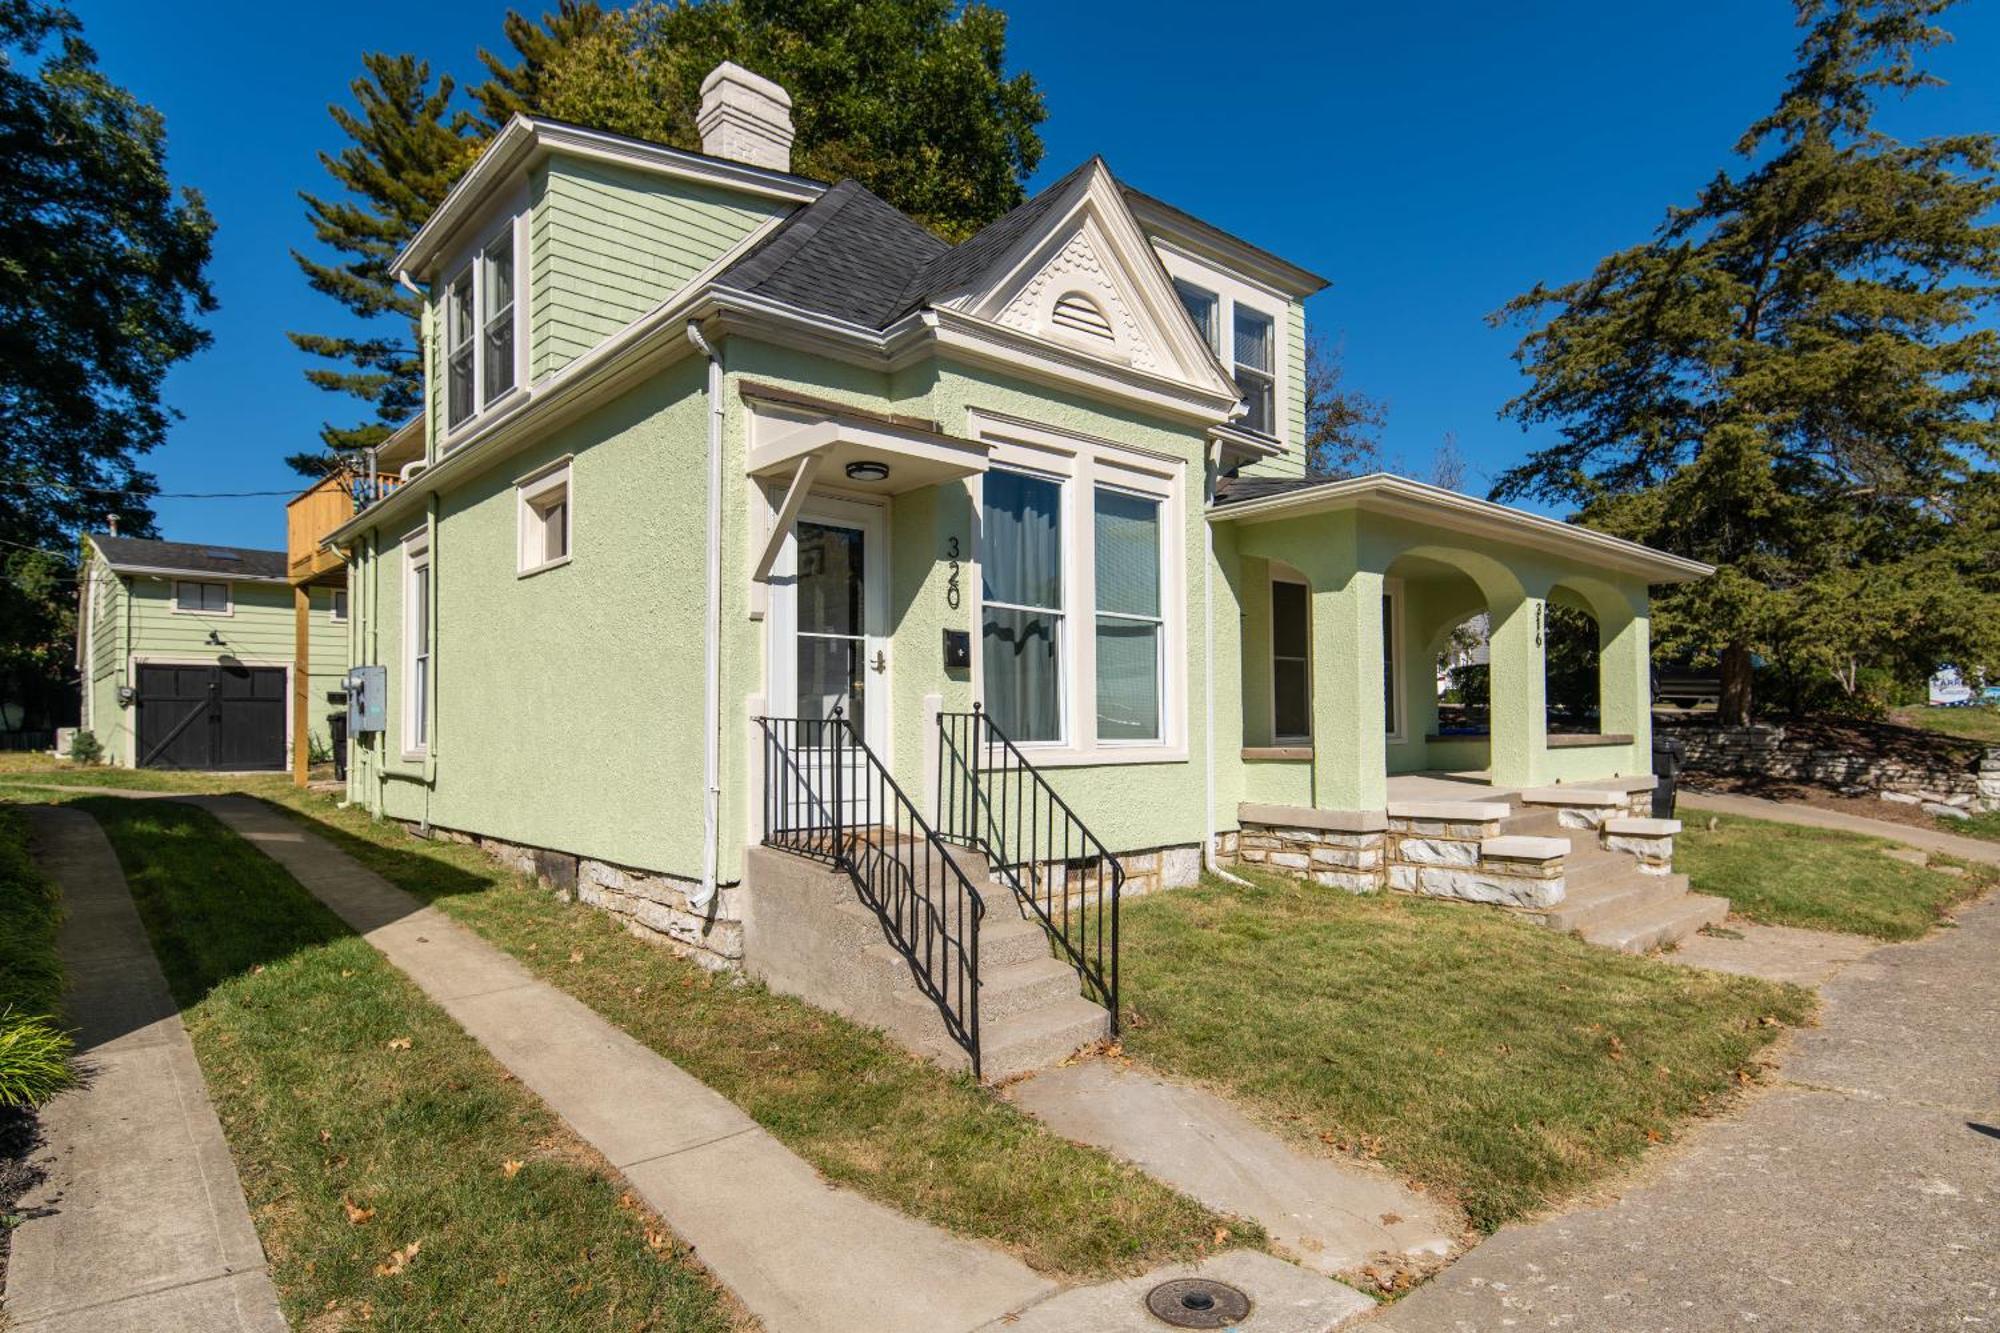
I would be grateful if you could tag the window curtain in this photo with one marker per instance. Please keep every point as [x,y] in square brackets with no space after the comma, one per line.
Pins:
[1128,617]
[1021,568]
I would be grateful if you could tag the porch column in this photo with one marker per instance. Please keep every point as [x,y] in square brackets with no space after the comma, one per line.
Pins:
[1518,708]
[1624,681]
[1349,724]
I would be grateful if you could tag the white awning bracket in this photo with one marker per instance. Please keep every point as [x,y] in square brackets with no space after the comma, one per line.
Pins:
[788,513]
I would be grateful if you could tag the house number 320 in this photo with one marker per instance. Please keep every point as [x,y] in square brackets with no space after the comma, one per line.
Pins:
[951,582]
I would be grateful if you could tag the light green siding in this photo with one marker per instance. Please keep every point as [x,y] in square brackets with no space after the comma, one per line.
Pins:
[608,244]
[1291,463]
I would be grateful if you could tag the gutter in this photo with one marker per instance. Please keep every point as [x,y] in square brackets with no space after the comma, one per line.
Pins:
[711,741]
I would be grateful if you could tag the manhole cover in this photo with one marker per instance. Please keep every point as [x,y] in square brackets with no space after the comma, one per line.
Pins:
[1196,1302]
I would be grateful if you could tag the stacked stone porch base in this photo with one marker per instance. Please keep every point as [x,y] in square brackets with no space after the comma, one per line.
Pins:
[1586,858]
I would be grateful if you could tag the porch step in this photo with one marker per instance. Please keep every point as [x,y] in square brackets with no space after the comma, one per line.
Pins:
[1591,905]
[1026,1042]
[1649,926]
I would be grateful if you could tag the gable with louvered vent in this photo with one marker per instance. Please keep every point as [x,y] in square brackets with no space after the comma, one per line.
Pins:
[1080,314]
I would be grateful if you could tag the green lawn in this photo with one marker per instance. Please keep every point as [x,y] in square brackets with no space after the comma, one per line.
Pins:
[1786,875]
[862,1110]
[41,770]
[398,1177]
[1978,723]
[34,1051]
[1494,1062]
[1985,826]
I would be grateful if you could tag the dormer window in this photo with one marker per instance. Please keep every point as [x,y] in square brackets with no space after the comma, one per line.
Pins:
[1254,370]
[1204,307]
[479,331]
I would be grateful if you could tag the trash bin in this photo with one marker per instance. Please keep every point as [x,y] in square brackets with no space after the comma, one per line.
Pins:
[1668,752]
[337,725]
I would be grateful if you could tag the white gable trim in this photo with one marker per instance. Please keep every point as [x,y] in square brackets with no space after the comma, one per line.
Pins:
[1091,246]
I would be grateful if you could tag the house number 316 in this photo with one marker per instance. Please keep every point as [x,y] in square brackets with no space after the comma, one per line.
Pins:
[951,582]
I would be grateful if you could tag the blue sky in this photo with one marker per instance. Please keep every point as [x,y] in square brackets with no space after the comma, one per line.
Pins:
[1431,159]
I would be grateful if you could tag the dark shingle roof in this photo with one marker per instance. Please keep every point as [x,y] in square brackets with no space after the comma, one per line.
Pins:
[848,254]
[963,263]
[190,557]
[1239,490]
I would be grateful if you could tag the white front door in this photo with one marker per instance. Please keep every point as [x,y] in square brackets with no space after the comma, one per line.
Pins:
[829,648]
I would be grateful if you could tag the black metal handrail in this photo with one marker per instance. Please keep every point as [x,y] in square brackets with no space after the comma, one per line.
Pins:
[992,799]
[827,796]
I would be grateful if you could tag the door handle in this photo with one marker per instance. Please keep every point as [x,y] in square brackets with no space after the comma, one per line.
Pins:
[881,662]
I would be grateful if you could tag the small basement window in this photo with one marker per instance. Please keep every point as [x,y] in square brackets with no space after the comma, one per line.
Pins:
[338,611]
[545,519]
[201,598]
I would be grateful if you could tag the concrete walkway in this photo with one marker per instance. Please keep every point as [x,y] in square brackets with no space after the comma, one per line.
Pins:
[801,1255]
[1811,816]
[1861,1192]
[1775,953]
[1331,1216]
[140,1222]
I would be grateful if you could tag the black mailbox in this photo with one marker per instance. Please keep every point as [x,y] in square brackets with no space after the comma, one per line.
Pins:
[958,649]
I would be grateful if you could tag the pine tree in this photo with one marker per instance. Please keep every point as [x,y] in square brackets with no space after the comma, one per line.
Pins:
[1788,380]
[520,88]
[407,146]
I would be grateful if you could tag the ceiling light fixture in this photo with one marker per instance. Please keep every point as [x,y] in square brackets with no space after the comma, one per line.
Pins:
[867,470]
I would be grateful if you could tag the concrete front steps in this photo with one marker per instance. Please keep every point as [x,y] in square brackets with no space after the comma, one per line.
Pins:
[807,933]
[1611,902]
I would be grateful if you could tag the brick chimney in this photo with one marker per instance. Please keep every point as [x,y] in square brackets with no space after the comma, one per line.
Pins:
[746,118]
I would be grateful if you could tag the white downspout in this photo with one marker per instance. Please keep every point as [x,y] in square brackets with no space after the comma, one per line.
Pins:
[711,757]
[1211,462]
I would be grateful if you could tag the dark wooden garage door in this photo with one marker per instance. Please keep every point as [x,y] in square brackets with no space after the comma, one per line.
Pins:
[215,717]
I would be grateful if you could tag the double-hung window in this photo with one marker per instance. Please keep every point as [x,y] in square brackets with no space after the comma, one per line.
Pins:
[338,610]
[1390,657]
[203,598]
[1291,661]
[416,645]
[1021,632]
[1129,624]
[479,327]
[1255,347]
[1204,307]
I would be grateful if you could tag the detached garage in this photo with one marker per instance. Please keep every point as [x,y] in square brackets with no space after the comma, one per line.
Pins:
[186,653]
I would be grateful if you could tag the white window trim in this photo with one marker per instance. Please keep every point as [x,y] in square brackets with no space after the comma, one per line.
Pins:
[1397,728]
[416,564]
[1271,645]
[1080,464]
[1229,290]
[228,598]
[528,491]
[467,260]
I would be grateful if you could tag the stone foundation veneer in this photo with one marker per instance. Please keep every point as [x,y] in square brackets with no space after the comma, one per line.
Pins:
[1454,849]
[653,907]
[1651,841]
[1338,849]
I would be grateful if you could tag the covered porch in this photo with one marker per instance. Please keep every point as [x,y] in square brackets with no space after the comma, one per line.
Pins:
[1349,592]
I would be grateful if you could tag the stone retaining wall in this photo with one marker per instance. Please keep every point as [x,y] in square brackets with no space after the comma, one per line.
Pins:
[1454,849]
[1916,768]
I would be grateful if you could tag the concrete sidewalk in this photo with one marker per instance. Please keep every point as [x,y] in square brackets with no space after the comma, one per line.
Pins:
[803,1256]
[140,1223]
[1811,816]
[1861,1192]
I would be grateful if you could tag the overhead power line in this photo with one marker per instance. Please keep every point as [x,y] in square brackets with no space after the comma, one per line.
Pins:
[146,495]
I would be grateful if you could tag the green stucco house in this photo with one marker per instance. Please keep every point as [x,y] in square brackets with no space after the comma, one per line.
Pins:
[870,612]
[186,654]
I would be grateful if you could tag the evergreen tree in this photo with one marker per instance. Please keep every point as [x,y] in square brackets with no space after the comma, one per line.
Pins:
[1788,380]
[907,96]
[102,284]
[407,146]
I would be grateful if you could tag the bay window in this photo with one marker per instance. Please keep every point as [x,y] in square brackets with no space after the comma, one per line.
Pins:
[1022,581]
[1127,549]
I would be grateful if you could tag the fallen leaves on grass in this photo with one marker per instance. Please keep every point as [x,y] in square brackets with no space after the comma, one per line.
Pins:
[511,1168]
[356,1214]
[398,1260]
[399,1043]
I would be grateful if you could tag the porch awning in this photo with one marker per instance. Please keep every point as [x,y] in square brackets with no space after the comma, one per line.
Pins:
[1269,500]
[844,442]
